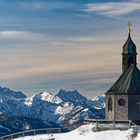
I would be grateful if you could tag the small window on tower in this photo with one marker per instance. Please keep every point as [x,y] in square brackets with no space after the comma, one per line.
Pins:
[110,104]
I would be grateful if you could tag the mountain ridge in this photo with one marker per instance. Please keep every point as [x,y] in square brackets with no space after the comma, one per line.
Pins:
[66,109]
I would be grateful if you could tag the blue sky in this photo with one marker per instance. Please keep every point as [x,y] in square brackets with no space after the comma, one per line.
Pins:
[59,44]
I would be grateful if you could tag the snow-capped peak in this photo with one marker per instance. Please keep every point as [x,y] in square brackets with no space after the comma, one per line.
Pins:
[29,101]
[45,96]
[97,98]
[99,101]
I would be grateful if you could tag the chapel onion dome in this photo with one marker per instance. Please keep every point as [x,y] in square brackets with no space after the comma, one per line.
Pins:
[129,47]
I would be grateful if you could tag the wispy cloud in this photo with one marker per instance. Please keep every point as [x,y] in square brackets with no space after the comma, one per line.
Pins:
[32,5]
[45,61]
[24,37]
[12,34]
[46,5]
[111,9]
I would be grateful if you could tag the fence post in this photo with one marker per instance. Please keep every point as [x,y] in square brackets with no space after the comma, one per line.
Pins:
[23,134]
[48,130]
[59,130]
[113,124]
[129,123]
[34,132]
[96,125]
[11,137]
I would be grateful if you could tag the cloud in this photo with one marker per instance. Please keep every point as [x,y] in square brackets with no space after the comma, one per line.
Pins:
[48,60]
[111,9]
[69,66]
[20,38]
[12,34]
[46,5]
[32,5]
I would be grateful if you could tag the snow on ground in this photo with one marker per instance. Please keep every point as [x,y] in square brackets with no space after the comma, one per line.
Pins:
[86,132]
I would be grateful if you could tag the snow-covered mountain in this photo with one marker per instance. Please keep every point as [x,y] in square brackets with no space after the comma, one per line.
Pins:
[66,109]
[74,97]
[10,93]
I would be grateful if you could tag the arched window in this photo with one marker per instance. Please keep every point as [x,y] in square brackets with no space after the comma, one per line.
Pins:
[110,104]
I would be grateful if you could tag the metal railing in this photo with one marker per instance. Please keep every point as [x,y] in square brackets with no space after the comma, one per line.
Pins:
[102,124]
[31,133]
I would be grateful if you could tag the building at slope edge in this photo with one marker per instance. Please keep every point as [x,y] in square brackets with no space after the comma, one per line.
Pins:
[123,98]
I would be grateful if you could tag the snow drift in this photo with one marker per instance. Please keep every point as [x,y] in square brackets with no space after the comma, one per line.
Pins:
[86,132]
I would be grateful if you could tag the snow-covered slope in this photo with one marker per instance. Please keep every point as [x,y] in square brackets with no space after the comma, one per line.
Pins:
[66,108]
[86,132]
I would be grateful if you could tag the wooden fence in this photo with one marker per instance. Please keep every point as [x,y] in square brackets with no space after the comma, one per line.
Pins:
[101,125]
[32,133]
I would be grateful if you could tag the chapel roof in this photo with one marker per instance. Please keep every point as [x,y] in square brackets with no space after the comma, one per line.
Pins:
[128,82]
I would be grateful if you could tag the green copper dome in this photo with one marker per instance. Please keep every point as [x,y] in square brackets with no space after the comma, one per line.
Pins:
[129,47]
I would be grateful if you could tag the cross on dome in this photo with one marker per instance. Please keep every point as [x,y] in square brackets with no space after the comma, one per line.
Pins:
[129,26]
